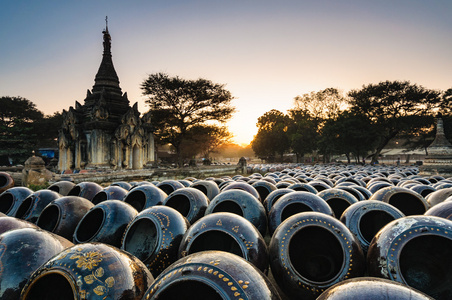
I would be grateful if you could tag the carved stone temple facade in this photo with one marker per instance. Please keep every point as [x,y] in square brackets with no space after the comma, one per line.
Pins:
[105,132]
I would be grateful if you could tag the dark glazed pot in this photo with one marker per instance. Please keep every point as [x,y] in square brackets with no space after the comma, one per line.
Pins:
[169,186]
[439,196]
[209,188]
[23,251]
[62,215]
[105,223]
[443,210]
[339,200]
[293,203]
[86,190]
[6,181]
[154,237]
[185,183]
[302,187]
[423,189]
[243,204]
[319,185]
[244,187]
[284,185]
[264,188]
[89,271]
[226,232]
[415,251]
[32,206]
[213,275]
[275,196]
[123,184]
[110,193]
[354,191]
[310,252]
[373,188]
[366,218]
[10,223]
[145,196]
[373,289]
[62,187]
[407,201]
[190,202]
[11,199]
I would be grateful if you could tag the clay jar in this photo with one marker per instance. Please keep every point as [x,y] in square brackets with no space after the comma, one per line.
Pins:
[89,271]
[22,251]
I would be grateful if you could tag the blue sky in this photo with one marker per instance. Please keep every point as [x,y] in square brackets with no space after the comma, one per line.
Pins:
[266,52]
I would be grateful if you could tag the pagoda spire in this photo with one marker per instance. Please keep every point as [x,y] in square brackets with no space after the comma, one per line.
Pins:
[106,76]
[440,146]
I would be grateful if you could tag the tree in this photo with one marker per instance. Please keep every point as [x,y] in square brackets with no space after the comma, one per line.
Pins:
[46,130]
[347,134]
[17,136]
[302,132]
[177,105]
[205,139]
[389,106]
[322,105]
[271,137]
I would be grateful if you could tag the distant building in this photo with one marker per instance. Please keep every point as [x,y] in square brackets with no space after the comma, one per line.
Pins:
[105,132]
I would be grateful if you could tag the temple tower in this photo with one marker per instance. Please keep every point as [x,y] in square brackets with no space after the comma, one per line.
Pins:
[439,158]
[105,132]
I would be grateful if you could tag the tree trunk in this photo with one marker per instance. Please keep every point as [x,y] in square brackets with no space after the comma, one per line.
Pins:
[383,144]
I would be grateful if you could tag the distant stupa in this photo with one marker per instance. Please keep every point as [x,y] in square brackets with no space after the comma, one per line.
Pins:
[105,132]
[439,153]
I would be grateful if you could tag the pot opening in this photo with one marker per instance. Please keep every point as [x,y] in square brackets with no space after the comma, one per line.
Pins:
[192,289]
[316,254]
[215,240]
[338,206]
[48,219]
[355,193]
[137,199]
[54,188]
[408,204]
[141,239]
[75,191]
[24,208]
[371,222]
[181,203]
[167,188]
[301,189]
[201,188]
[293,209]
[228,206]
[262,191]
[426,264]
[52,286]
[6,202]
[3,181]
[99,197]
[89,225]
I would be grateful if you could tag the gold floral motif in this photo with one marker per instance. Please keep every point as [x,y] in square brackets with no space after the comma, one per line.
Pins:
[100,290]
[87,260]
[110,281]
[102,287]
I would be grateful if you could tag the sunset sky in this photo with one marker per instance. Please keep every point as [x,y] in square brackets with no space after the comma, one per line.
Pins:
[266,52]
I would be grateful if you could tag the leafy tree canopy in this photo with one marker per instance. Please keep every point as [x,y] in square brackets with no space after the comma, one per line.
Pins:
[302,132]
[390,106]
[17,131]
[349,133]
[176,105]
[271,137]
[322,105]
